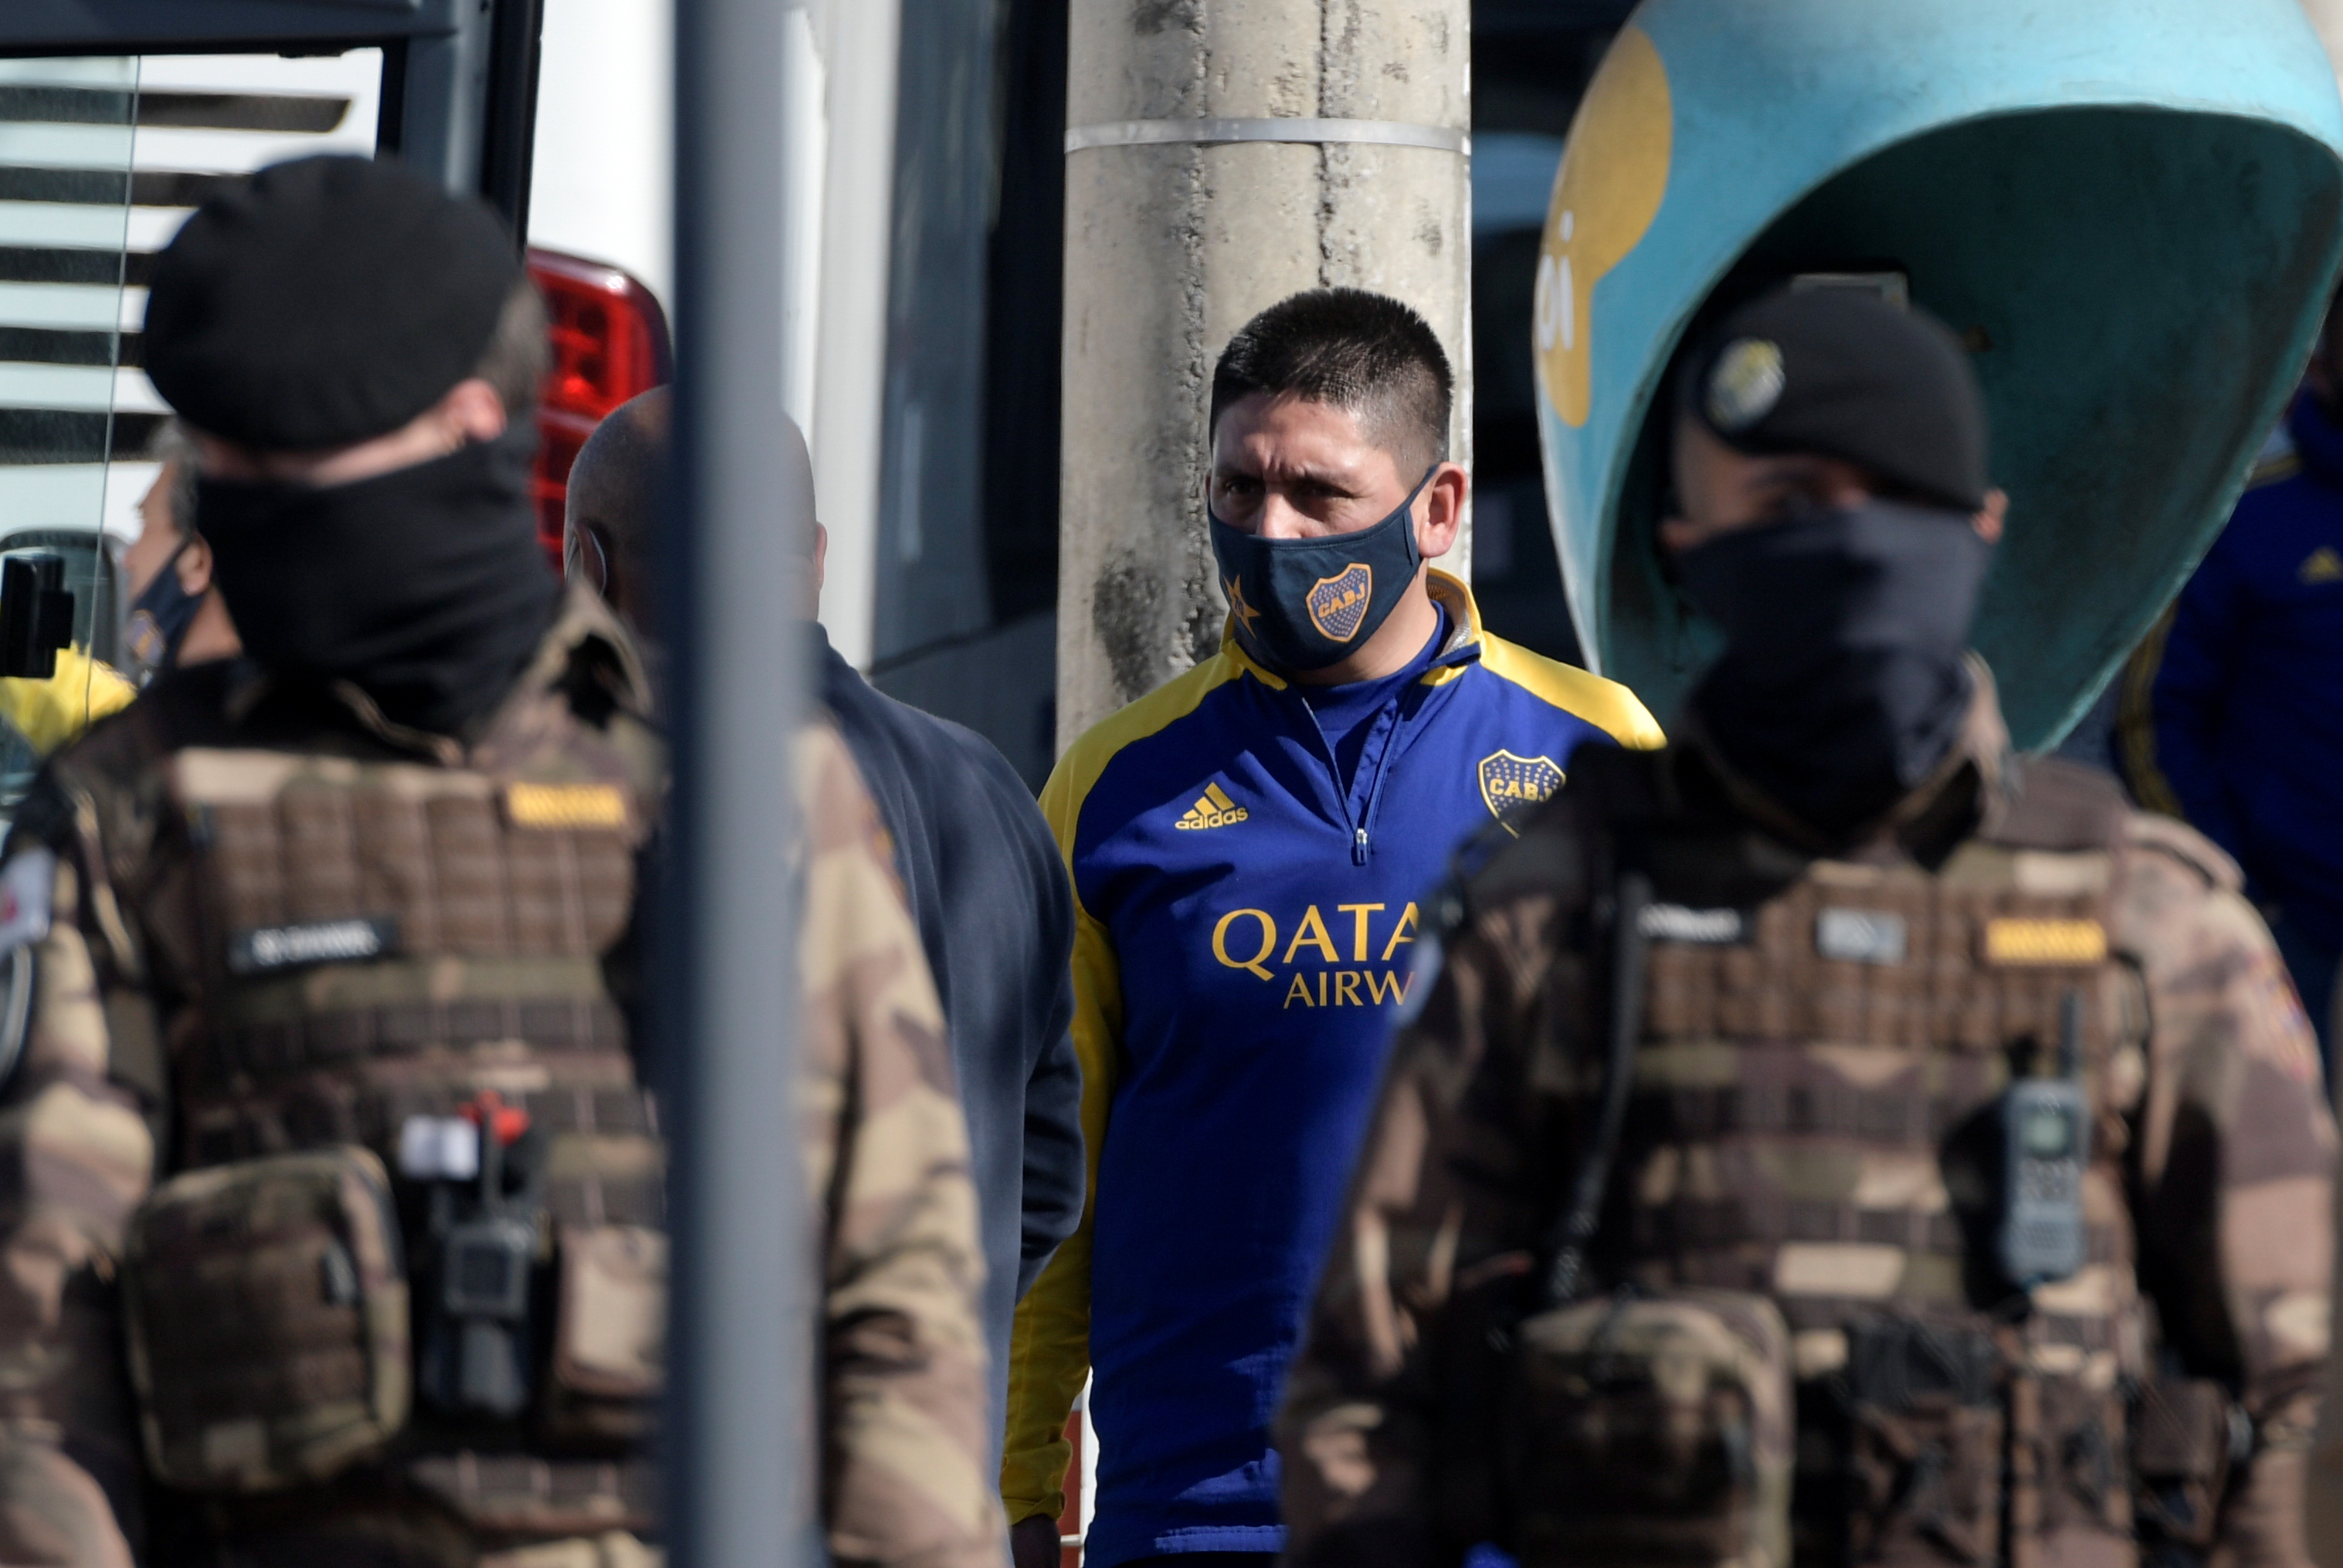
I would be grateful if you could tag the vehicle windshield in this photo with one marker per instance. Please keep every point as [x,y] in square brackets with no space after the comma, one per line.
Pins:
[101,159]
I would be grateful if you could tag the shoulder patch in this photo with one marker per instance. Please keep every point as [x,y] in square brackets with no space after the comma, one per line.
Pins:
[27,884]
[2178,840]
[565,805]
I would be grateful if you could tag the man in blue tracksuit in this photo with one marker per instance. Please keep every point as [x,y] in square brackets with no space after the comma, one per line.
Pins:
[2242,728]
[1248,846]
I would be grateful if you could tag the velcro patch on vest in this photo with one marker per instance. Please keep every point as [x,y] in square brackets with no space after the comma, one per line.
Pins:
[265,947]
[565,805]
[2012,940]
[1860,936]
[1702,928]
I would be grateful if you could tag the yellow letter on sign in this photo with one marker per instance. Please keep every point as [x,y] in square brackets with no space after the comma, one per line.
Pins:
[1614,169]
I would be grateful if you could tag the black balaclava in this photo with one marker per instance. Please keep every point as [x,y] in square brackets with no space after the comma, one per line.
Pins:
[1845,679]
[424,587]
[321,304]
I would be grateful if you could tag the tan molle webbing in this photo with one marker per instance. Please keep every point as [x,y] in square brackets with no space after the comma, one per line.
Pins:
[522,1494]
[266,1317]
[1945,992]
[388,939]
[1816,1118]
[1792,1105]
[613,1549]
[292,840]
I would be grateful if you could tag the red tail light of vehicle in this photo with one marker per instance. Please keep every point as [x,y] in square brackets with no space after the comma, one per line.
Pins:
[610,342]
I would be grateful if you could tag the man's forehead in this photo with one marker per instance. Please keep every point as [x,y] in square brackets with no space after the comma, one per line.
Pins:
[1295,434]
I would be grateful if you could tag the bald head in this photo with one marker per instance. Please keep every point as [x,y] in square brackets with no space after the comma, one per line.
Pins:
[617,505]
[618,500]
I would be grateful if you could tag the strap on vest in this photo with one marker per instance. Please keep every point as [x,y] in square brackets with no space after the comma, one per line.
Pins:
[1629,954]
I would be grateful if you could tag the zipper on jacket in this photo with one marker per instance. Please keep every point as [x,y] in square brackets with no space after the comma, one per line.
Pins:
[1395,714]
[1370,808]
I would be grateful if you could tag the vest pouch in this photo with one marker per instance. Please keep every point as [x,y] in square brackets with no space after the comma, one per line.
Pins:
[265,1306]
[1652,1428]
[1925,1445]
[2182,1435]
[609,1335]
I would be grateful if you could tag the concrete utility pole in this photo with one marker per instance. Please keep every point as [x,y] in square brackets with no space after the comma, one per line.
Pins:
[1221,154]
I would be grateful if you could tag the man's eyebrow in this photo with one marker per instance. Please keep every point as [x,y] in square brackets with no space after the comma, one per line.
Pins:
[1300,473]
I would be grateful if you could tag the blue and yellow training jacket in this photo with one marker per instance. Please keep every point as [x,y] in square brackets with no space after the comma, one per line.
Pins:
[2234,707]
[1243,932]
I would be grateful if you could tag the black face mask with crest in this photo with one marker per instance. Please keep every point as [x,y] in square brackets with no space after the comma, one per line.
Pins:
[1304,604]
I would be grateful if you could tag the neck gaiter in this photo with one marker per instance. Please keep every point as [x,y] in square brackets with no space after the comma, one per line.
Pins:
[1844,680]
[424,587]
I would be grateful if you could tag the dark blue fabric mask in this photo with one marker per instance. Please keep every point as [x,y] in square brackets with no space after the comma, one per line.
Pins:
[159,618]
[1304,604]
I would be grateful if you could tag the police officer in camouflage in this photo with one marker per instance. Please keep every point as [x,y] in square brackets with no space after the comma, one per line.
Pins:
[334,1217]
[1833,1138]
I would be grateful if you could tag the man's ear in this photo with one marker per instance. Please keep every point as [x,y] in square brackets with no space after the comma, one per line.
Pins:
[1988,519]
[1440,510]
[194,567]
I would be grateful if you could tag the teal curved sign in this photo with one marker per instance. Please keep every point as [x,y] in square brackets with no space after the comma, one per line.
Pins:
[2130,210]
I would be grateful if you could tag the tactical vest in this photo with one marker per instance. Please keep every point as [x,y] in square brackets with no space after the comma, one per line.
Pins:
[418,1234]
[1813,1352]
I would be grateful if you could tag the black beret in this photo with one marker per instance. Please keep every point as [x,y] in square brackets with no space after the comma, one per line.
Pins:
[322,302]
[1840,371]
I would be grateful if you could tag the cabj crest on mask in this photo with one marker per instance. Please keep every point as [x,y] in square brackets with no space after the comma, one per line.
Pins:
[2130,210]
[1339,603]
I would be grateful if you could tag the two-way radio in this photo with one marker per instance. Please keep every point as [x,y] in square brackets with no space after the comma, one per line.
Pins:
[2046,1142]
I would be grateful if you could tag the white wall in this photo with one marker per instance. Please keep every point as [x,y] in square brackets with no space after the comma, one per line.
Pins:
[602,185]
[603,188]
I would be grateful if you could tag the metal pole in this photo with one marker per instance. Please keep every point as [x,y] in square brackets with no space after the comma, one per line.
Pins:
[741,1463]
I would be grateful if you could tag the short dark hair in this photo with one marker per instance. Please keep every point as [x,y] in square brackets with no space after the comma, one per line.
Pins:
[173,446]
[1358,350]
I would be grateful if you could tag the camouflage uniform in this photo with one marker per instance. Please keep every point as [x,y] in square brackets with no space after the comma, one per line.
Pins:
[1799,1173]
[904,1432]
[2325,1486]
[221,801]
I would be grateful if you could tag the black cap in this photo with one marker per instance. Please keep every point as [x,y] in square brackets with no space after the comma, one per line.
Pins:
[322,302]
[1841,371]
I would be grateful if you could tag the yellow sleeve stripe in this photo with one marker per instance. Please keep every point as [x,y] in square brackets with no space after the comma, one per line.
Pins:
[2270,469]
[1605,704]
[2135,722]
[1050,1341]
[1086,761]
